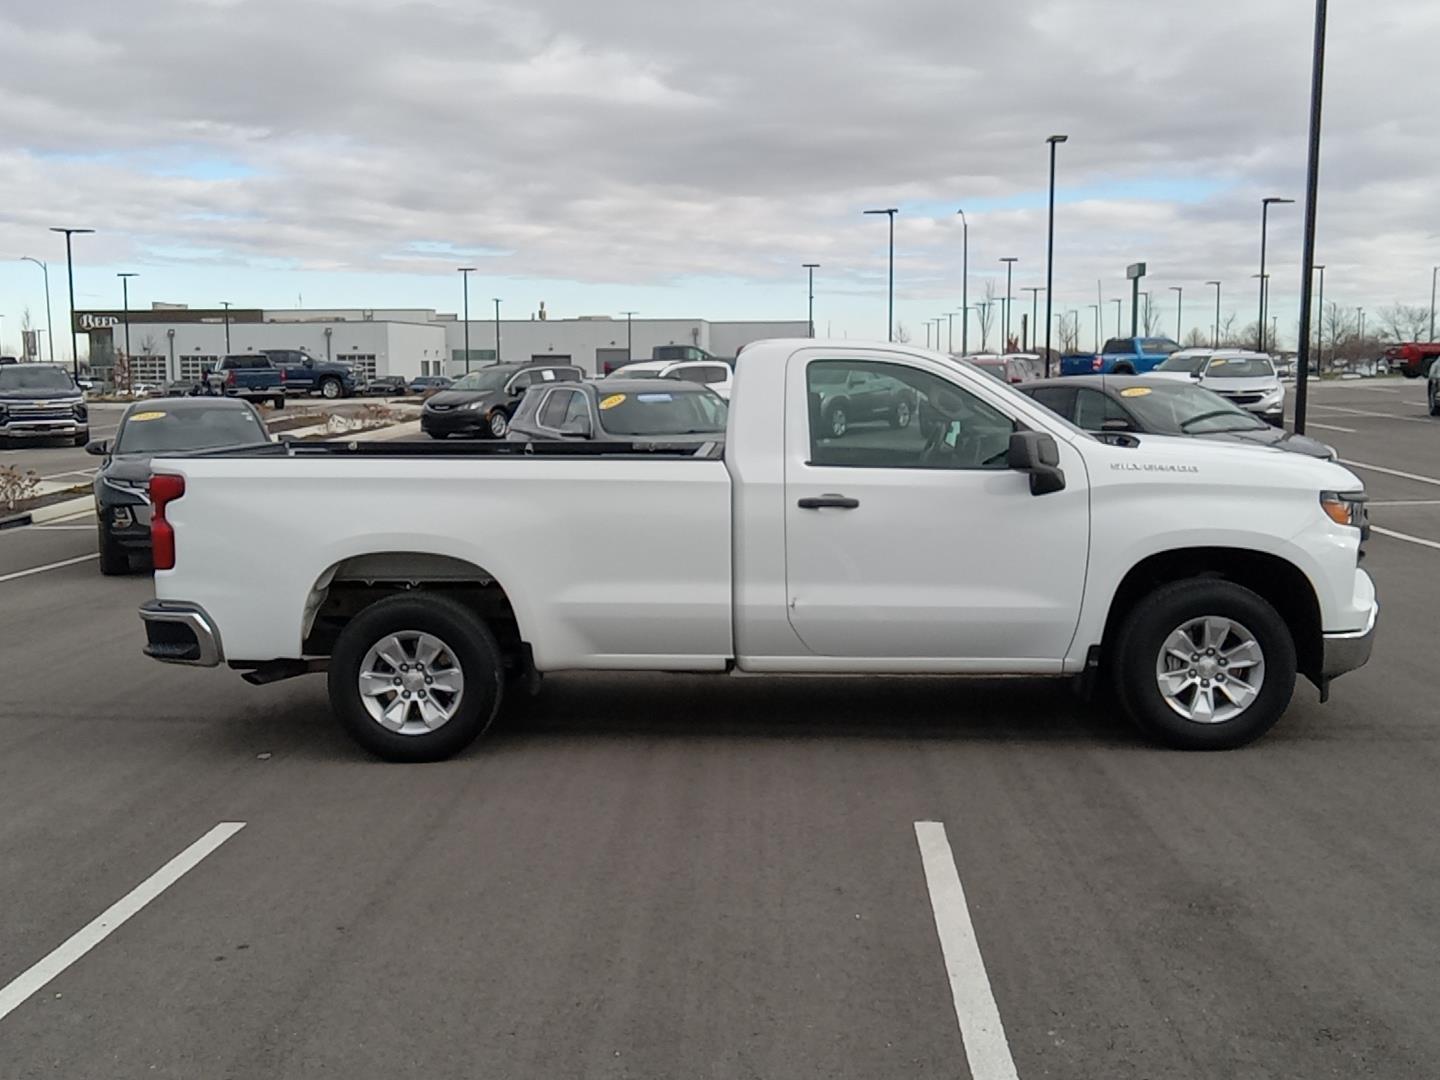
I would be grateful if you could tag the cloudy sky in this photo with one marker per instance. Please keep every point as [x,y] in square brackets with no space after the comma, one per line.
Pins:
[683,159]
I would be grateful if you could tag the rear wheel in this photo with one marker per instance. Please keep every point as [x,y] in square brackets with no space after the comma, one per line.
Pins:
[900,415]
[278,402]
[113,560]
[1124,369]
[416,678]
[1204,665]
[836,421]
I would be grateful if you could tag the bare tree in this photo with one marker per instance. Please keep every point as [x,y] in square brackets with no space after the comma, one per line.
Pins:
[1195,338]
[902,335]
[1151,318]
[1337,327]
[1403,322]
[985,315]
[1229,338]
[1070,332]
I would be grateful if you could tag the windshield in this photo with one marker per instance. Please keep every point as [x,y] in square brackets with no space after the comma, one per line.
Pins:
[1175,408]
[1230,368]
[667,412]
[482,380]
[159,430]
[1188,364]
[34,377]
[992,367]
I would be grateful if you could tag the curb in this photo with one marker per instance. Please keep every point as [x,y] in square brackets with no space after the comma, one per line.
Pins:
[60,510]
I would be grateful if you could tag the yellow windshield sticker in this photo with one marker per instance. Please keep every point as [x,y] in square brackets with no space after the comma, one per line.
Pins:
[1217,362]
[611,401]
[1135,391]
[139,416]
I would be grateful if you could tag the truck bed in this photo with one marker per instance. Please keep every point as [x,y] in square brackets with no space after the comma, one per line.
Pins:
[431,448]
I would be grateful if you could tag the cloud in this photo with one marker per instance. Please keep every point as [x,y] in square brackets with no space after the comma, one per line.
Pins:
[640,141]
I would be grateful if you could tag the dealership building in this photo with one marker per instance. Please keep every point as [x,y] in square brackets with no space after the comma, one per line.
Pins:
[169,342]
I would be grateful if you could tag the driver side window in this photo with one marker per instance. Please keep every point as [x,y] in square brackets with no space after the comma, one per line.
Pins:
[866,414]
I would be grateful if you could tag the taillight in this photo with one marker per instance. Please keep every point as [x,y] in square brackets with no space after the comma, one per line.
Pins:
[282,374]
[1097,363]
[230,377]
[164,489]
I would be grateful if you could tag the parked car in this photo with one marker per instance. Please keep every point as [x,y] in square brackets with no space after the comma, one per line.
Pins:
[1432,389]
[481,404]
[841,399]
[250,376]
[1013,368]
[644,412]
[41,401]
[306,375]
[1153,405]
[1414,359]
[1197,578]
[1120,356]
[147,429]
[1246,379]
[712,373]
[426,385]
[387,386]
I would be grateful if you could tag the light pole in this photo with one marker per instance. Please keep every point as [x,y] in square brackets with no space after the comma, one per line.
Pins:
[50,323]
[1312,198]
[630,338]
[811,267]
[1360,325]
[1144,294]
[465,272]
[1264,301]
[226,305]
[950,329]
[1216,343]
[965,283]
[1096,308]
[1035,291]
[1434,271]
[70,272]
[1320,325]
[1265,204]
[1119,304]
[125,277]
[890,326]
[1179,291]
[497,328]
[1054,141]
[1009,261]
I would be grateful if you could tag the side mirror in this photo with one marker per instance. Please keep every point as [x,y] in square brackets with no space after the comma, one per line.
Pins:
[1116,423]
[1197,375]
[1037,454]
[98,447]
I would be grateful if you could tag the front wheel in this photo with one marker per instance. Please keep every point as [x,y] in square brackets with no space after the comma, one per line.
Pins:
[900,415]
[836,421]
[81,438]
[113,560]
[1434,399]
[416,678]
[499,424]
[1204,665]
[330,388]
[278,402]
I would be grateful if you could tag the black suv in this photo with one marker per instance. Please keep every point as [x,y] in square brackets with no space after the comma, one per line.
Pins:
[483,402]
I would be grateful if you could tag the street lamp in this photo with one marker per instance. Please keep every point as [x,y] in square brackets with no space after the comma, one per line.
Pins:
[125,277]
[50,323]
[1312,198]
[1096,309]
[965,282]
[497,328]
[811,267]
[1009,261]
[630,338]
[1216,344]
[1265,204]
[70,272]
[225,304]
[1035,291]
[1179,291]
[1264,302]
[1054,141]
[950,329]
[1434,271]
[465,272]
[890,326]
[1119,304]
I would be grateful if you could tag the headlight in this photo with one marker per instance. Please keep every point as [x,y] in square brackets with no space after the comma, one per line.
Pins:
[475,405]
[1345,507]
[80,411]
[1273,392]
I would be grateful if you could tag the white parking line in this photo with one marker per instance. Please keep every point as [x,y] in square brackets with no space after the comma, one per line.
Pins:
[1403,502]
[980,1029]
[1332,427]
[1406,536]
[51,566]
[113,917]
[1377,415]
[1391,472]
[81,528]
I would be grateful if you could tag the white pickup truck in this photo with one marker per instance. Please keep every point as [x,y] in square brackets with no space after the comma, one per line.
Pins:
[874,509]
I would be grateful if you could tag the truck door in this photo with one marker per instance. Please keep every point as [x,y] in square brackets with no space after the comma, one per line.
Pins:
[908,537]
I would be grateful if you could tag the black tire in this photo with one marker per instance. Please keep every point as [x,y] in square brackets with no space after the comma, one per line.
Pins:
[81,438]
[1141,640]
[1124,369]
[901,414]
[497,424]
[331,389]
[1434,399]
[278,402]
[474,650]
[113,560]
[836,419]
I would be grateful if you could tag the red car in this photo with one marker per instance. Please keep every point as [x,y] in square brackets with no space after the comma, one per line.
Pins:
[1414,357]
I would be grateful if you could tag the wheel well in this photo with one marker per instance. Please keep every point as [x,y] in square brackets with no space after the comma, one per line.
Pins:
[352,585]
[1281,583]
[1124,369]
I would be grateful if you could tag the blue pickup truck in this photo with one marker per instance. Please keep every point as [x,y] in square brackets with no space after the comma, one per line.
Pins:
[306,375]
[252,376]
[1120,356]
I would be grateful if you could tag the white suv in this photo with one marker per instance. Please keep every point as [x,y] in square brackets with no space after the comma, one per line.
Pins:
[1246,379]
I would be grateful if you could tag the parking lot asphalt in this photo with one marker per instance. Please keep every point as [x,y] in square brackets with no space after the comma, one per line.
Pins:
[670,876]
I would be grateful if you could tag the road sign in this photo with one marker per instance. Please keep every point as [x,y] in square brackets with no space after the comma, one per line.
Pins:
[1135,271]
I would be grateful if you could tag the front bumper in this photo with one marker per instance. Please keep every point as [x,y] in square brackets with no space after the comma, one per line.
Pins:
[1348,651]
[455,422]
[180,633]
[43,429]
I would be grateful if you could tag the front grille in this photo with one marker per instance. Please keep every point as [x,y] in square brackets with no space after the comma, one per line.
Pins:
[436,407]
[1244,399]
[41,412]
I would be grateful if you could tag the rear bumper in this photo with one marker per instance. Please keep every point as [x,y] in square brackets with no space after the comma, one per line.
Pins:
[1350,650]
[180,633]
